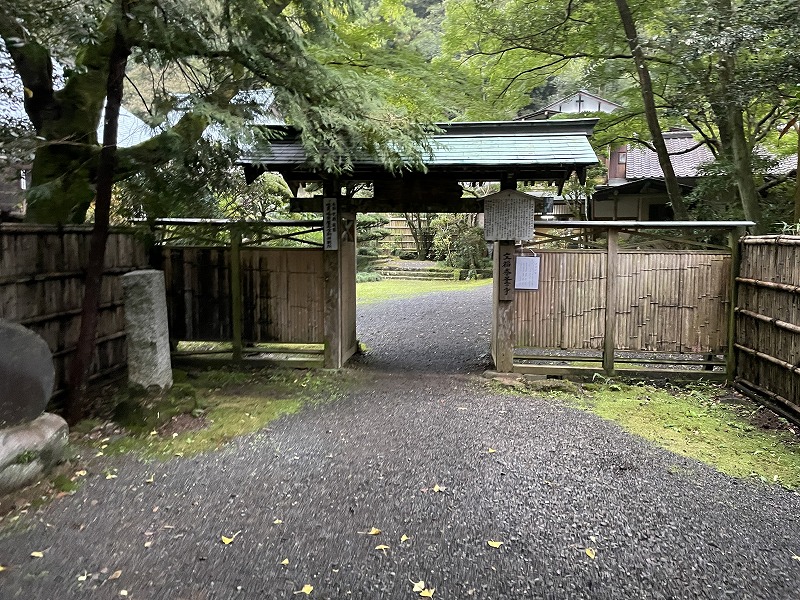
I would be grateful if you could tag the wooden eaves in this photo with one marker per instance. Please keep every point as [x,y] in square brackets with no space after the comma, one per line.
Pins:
[506,151]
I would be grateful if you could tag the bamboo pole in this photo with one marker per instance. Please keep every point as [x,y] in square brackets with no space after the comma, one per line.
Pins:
[783,287]
[611,301]
[736,261]
[236,292]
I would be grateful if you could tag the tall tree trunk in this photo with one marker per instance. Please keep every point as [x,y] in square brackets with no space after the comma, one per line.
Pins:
[651,115]
[81,361]
[743,169]
[729,113]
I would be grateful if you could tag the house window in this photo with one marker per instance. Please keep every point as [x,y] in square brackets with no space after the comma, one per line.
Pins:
[623,158]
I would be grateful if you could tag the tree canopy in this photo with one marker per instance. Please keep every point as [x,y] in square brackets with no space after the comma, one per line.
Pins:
[193,59]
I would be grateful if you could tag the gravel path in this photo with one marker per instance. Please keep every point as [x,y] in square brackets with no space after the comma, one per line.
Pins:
[560,481]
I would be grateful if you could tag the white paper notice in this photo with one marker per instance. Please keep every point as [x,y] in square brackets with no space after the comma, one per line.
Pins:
[527,275]
[330,224]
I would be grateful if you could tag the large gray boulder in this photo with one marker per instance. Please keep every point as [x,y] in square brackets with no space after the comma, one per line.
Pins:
[26,374]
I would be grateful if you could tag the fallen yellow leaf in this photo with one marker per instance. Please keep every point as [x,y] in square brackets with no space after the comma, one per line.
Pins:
[2,568]
[115,575]
[419,585]
[382,547]
[37,554]
[285,561]
[491,451]
[437,488]
[228,540]
[494,544]
[306,589]
[372,531]
[148,544]
[277,522]
[123,592]
[427,593]
[81,473]
[404,538]
[83,576]
[151,479]
[590,552]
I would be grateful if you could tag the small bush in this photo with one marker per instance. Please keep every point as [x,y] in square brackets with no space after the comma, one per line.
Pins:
[366,277]
[458,243]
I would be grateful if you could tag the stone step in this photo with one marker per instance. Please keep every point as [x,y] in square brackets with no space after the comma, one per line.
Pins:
[413,269]
[416,275]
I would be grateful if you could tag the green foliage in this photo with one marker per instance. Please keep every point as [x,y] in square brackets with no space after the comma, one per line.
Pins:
[365,277]
[306,52]
[26,457]
[370,228]
[458,242]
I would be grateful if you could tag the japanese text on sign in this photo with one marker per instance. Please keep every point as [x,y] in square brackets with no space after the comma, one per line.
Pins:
[330,224]
[508,216]
[506,290]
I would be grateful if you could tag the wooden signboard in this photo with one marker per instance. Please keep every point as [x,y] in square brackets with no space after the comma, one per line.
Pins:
[330,224]
[508,215]
[506,273]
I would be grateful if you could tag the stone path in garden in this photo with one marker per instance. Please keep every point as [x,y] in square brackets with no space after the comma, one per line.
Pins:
[583,510]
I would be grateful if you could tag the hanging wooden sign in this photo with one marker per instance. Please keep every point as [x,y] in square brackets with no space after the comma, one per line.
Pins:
[508,215]
[330,224]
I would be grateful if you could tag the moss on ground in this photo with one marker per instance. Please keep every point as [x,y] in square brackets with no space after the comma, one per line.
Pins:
[391,289]
[208,409]
[690,421]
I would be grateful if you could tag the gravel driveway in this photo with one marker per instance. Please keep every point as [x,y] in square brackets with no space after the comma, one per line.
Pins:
[418,420]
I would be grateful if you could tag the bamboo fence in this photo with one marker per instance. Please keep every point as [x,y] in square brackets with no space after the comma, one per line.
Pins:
[666,301]
[768,320]
[41,287]
[281,292]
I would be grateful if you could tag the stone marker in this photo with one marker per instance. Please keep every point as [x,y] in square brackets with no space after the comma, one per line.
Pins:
[26,374]
[147,329]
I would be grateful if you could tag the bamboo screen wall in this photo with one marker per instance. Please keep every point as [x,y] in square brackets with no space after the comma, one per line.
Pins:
[41,287]
[282,292]
[666,302]
[768,318]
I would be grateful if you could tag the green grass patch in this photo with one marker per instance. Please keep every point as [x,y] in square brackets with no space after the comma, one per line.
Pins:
[690,422]
[389,289]
[211,408]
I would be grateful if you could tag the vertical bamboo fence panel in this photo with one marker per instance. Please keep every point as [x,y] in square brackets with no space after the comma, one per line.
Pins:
[672,302]
[768,321]
[281,291]
[41,287]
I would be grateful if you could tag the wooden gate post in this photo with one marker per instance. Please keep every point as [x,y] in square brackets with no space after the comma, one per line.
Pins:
[736,261]
[236,292]
[503,306]
[610,333]
[332,270]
